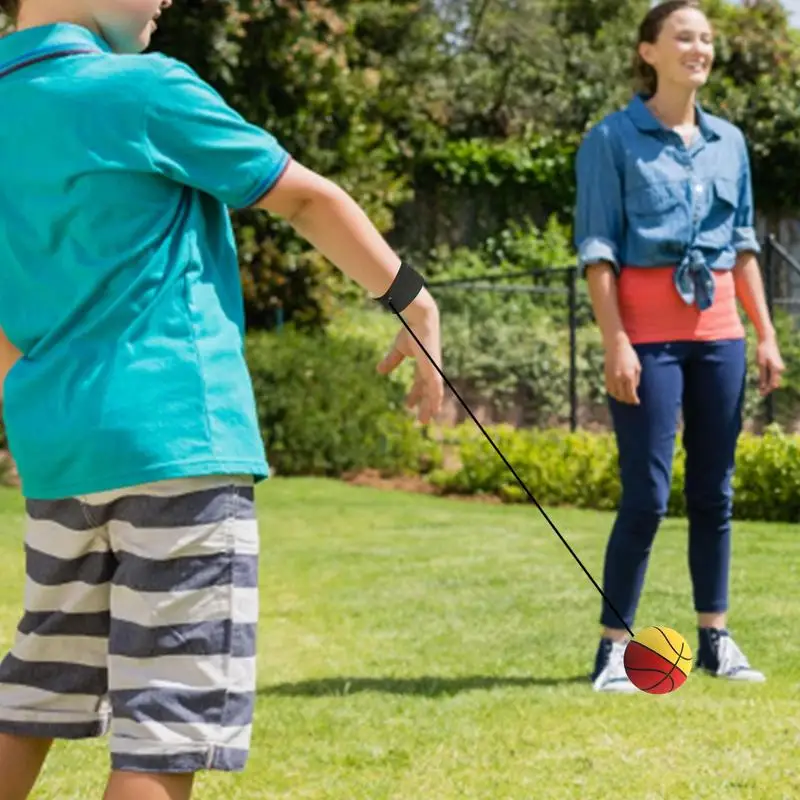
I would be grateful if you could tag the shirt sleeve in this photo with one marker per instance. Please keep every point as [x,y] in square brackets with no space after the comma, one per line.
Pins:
[599,213]
[194,137]
[744,234]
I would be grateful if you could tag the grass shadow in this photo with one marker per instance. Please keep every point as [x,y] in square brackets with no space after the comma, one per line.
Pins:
[423,686]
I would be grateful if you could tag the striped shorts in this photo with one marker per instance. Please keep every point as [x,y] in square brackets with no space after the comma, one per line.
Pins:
[140,617]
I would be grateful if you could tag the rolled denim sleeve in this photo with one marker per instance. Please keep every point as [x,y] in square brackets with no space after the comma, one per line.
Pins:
[744,233]
[599,212]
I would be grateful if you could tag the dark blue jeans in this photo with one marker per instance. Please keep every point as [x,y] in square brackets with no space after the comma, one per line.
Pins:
[706,381]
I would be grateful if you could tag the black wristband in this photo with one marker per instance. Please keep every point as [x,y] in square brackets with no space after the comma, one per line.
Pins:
[407,284]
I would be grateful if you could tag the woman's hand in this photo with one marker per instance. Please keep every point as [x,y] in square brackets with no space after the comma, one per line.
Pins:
[750,292]
[770,365]
[623,371]
[622,367]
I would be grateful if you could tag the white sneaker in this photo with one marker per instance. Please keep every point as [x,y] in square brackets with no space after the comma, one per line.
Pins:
[609,671]
[721,657]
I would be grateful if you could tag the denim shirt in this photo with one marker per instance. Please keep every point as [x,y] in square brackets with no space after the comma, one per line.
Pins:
[645,199]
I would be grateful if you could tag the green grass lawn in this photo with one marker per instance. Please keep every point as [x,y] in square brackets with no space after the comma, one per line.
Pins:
[419,648]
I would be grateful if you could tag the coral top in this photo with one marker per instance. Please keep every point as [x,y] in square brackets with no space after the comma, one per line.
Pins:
[652,311]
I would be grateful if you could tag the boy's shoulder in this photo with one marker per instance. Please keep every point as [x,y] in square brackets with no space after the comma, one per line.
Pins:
[141,70]
[128,87]
[121,80]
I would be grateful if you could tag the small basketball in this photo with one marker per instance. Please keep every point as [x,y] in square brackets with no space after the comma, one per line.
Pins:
[658,660]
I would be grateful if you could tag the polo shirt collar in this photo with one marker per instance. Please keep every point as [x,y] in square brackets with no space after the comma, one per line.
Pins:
[646,121]
[45,40]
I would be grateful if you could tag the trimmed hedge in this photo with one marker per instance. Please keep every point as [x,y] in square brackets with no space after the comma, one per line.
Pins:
[580,469]
[324,410]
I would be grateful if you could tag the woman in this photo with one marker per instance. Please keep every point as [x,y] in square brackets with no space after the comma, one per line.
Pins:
[664,230]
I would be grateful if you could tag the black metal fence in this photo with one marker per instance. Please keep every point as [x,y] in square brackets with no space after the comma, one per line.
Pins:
[558,281]
[781,273]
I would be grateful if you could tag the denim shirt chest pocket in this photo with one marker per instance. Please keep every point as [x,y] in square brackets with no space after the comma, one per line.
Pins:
[657,198]
[685,212]
[719,211]
[661,209]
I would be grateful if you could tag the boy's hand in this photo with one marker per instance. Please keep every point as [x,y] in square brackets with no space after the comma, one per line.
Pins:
[427,392]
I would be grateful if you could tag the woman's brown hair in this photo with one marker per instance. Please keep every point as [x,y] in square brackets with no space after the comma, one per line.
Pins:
[649,31]
[10,8]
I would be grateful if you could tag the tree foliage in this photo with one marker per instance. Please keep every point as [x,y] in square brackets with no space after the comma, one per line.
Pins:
[756,85]
[301,71]
[447,120]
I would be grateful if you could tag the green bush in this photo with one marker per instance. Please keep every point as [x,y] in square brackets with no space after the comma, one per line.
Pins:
[324,410]
[510,347]
[520,356]
[511,364]
[767,480]
[374,328]
[580,469]
[507,363]
[520,248]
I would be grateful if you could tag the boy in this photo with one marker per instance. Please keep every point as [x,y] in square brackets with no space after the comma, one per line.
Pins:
[130,412]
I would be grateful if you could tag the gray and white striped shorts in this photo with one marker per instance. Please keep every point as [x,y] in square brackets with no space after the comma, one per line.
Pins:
[141,608]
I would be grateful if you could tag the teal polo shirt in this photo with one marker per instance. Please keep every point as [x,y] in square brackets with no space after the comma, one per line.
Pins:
[119,278]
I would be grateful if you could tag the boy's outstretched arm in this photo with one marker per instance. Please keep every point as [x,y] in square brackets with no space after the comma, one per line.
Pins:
[193,137]
[330,220]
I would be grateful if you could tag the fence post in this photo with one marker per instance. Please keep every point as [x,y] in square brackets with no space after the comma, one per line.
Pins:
[769,290]
[572,277]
